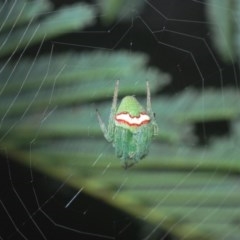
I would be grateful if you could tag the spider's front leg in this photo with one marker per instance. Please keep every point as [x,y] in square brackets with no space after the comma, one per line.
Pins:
[109,131]
[150,111]
[111,121]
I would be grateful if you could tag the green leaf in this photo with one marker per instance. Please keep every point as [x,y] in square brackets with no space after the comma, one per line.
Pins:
[15,13]
[54,23]
[188,198]
[200,106]
[71,79]
[119,9]
[223,27]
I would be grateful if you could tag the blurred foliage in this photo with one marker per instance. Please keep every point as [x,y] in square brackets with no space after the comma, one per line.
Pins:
[119,9]
[48,120]
[225,26]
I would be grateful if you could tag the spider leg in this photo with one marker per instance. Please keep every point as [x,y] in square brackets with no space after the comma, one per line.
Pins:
[109,131]
[149,105]
[149,110]
[155,128]
[111,123]
[103,127]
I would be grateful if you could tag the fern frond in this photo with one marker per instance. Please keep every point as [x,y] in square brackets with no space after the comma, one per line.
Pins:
[47,113]
[52,24]
[223,27]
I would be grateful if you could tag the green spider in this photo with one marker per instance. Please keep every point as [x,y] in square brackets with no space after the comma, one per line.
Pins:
[130,128]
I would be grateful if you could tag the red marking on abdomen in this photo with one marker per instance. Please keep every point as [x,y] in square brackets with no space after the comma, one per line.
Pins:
[135,121]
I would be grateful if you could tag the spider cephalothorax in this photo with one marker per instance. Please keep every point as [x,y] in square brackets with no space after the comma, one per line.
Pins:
[130,128]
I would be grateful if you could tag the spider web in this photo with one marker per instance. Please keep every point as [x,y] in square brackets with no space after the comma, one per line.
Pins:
[176,35]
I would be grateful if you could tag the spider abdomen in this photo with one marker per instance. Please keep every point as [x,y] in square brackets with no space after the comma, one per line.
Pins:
[131,146]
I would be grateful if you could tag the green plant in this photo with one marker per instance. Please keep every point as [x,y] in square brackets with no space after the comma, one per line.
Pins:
[48,119]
